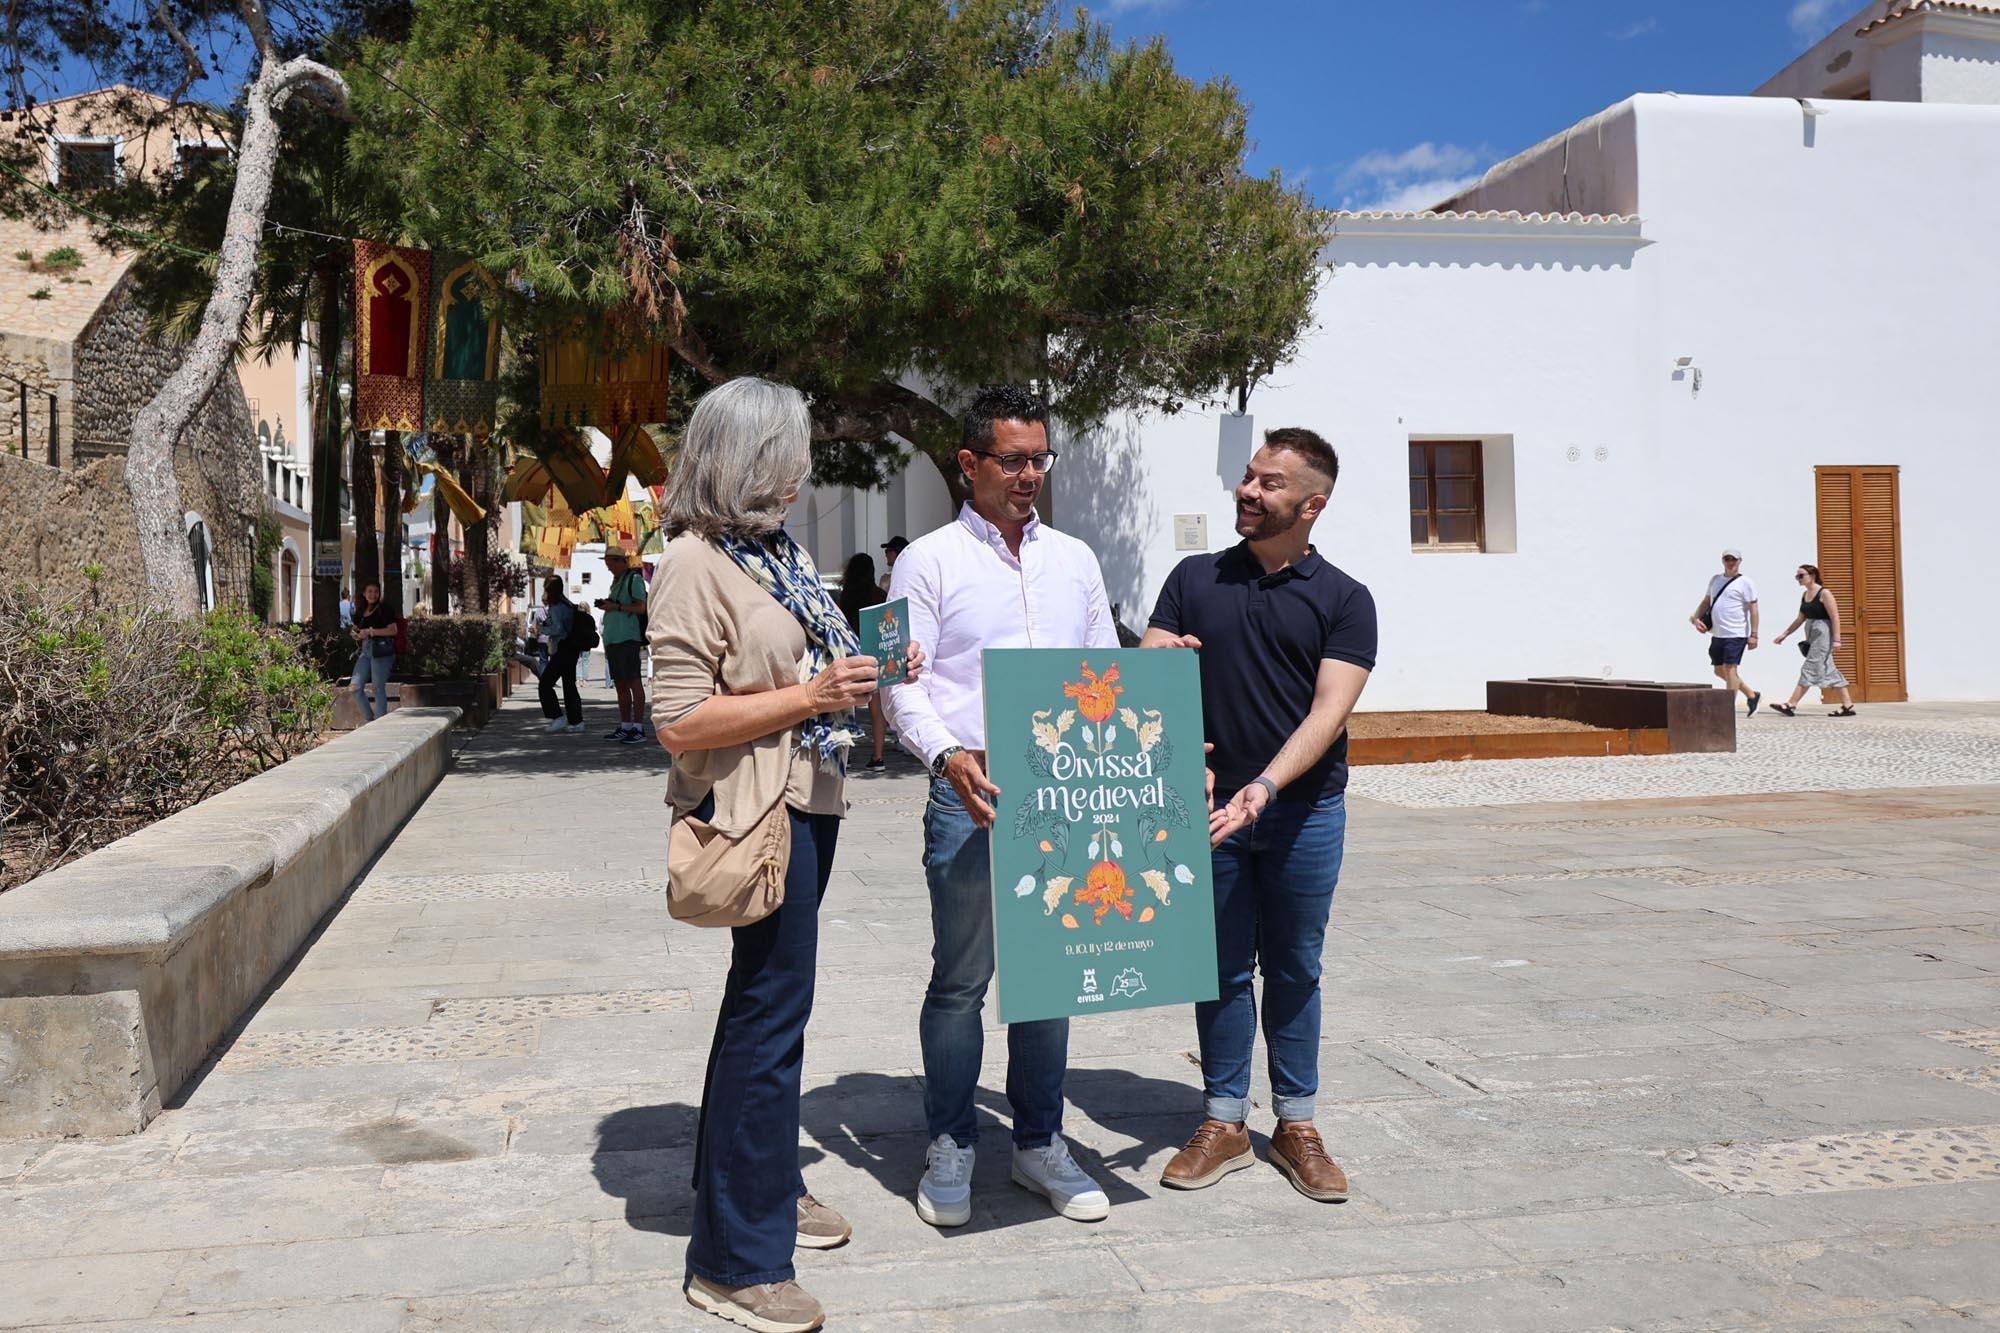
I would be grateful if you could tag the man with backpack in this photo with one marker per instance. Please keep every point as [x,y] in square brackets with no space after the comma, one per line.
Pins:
[571,633]
[624,610]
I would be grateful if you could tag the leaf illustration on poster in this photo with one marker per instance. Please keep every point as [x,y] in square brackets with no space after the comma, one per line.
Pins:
[1100,859]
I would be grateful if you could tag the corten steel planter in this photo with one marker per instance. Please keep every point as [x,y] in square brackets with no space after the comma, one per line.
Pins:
[1697,718]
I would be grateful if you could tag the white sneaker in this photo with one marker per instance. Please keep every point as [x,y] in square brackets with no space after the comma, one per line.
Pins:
[556,724]
[1052,1173]
[574,727]
[944,1195]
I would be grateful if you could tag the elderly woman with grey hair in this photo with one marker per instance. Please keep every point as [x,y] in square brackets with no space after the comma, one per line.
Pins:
[755,678]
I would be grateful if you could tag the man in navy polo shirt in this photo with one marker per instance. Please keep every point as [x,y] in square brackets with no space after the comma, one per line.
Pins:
[1287,642]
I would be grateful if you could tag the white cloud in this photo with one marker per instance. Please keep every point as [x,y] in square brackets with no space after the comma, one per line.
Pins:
[1638,29]
[1111,9]
[1425,158]
[1809,17]
[1414,196]
[1411,180]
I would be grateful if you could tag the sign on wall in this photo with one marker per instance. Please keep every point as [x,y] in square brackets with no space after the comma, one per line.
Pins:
[1102,896]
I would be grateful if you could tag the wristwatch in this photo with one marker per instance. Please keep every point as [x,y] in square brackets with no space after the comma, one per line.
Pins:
[944,757]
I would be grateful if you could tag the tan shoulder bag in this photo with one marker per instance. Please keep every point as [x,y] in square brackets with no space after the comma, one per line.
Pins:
[716,880]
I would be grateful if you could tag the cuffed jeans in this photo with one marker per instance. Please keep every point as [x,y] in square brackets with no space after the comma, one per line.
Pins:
[561,667]
[369,667]
[956,853]
[746,1159]
[1274,886]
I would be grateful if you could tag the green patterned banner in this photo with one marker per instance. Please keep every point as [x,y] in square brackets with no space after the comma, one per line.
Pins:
[1102,896]
[462,392]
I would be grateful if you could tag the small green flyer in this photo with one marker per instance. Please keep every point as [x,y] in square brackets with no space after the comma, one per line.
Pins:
[1102,895]
[885,636]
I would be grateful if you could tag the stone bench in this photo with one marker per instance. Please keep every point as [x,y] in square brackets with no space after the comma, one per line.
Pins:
[1697,718]
[121,970]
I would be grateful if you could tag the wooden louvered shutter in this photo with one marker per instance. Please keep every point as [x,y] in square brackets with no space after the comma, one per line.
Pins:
[1860,559]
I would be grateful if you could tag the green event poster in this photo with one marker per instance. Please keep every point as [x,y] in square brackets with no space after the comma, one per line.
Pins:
[1102,896]
[885,636]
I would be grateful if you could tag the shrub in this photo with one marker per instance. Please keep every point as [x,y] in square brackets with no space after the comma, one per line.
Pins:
[111,719]
[457,647]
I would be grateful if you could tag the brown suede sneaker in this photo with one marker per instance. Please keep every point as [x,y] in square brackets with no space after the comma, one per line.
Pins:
[1297,1151]
[769,1307]
[820,1228]
[1216,1149]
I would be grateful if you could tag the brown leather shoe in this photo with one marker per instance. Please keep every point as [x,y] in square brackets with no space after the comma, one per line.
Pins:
[1297,1151]
[1216,1149]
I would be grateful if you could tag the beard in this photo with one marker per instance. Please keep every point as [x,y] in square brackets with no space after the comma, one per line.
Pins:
[1260,522]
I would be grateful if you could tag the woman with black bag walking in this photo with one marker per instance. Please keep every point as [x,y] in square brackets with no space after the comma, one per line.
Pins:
[1820,614]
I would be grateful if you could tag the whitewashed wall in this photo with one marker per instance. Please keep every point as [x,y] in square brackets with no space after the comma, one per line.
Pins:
[1832,278]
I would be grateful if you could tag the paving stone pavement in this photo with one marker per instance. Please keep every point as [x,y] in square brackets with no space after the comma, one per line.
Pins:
[1707,1063]
[1899,745]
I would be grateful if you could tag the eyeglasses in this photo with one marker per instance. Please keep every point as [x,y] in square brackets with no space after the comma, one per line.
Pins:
[1015,464]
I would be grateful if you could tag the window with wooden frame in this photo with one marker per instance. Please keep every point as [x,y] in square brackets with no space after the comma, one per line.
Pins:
[83,162]
[1447,496]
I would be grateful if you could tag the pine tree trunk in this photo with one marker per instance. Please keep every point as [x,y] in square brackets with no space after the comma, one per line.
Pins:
[367,538]
[330,274]
[157,427]
[440,534]
[392,520]
[475,467]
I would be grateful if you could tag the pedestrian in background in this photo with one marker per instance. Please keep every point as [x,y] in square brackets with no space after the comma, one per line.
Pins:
[375,633]
[997,577]
[1287,642]
[1820,614]
[1728,615]
[858,592]
[737,616]
[624,610]
[564,632]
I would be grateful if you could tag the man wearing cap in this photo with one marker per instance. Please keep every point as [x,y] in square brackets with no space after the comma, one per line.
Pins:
[624,610]
[1728,615]
[890,550]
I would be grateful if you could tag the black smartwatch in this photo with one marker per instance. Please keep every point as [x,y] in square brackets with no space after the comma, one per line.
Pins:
[944,757]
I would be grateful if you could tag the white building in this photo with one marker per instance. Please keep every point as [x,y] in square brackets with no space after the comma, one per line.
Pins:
[1683,324]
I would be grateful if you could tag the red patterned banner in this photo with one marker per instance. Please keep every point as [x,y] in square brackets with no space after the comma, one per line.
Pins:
[392,307]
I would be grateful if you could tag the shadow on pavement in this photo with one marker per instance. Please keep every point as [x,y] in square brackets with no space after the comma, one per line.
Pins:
[875,1123]
[645,1156]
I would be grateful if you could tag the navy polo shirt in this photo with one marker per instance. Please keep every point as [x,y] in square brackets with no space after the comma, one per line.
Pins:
[1263,637]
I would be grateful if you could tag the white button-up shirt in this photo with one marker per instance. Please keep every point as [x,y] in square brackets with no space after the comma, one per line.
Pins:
[969,593]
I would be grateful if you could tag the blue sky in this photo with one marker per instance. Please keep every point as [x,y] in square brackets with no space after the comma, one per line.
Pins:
[1399,103]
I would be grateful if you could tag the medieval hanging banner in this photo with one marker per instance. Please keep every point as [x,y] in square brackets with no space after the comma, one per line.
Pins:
[392,304]
[583,385]
[462,388]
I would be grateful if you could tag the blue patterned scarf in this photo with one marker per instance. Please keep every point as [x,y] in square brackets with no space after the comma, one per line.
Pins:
[782,568]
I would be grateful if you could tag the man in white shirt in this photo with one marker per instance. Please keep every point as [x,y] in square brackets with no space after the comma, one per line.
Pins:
[1728,615]
[996,578]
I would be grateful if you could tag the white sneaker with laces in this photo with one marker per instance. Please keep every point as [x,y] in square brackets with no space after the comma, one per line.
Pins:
[578,727]
[1052,1173]
[556,724]
[944,1195]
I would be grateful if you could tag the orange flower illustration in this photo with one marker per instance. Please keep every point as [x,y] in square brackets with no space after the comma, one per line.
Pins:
[1105,889]
[1096,696]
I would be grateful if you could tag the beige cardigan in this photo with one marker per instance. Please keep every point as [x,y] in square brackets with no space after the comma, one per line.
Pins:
[712,630]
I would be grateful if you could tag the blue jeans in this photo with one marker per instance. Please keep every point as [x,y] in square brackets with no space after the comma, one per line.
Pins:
[956,867]
[369,667]
[1273,890]
[746,1156]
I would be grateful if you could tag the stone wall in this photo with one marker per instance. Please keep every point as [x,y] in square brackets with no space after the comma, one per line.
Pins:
[57,521]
